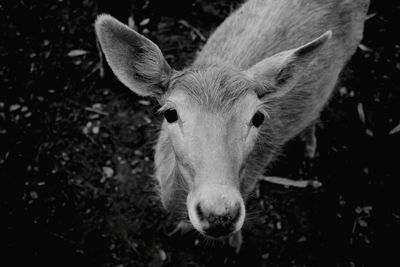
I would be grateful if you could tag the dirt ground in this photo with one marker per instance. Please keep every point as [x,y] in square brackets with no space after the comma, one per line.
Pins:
[76,151]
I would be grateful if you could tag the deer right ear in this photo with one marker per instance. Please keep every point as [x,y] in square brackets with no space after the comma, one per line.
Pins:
[283,70]
[136,61]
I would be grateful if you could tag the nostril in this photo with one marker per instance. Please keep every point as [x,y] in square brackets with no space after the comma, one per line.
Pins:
[222,225]
[199,212]
[216,224]
[227,219]
[222,220]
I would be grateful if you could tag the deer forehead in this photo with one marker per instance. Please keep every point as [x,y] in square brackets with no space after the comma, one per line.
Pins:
[219,135]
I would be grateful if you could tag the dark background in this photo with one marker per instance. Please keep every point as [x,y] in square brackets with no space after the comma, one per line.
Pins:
[76,149]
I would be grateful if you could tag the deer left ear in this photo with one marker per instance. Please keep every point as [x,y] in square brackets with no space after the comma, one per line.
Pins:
[283,70]
[136,61]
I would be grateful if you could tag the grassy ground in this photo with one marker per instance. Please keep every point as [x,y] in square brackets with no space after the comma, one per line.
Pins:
[76,150]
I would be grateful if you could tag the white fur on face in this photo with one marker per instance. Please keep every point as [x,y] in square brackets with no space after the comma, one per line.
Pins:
[204,139]
[211,147]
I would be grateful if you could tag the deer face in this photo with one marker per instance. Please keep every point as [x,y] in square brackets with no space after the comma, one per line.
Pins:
[211,136]
[214,117]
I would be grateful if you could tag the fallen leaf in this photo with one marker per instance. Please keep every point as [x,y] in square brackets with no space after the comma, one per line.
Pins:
[361,113]
[265,256]
[96,129]
[14,107]
[369,132]
[108,172]
[358,210]
[144,102]
[144,22]
[365,48]
[395,129]
[163,255]
[34,195]
[87,127]
[76,53]
[362,223]
[131,23]
[302,239]
[367,209]
[343,91]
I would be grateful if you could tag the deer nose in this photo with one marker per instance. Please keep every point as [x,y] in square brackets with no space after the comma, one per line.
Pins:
[218,224]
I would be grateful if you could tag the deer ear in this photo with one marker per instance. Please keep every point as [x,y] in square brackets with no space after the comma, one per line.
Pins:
[282,71]
[136,61]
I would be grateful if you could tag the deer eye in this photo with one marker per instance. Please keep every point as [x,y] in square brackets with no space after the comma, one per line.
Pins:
[257,119]
[171,115]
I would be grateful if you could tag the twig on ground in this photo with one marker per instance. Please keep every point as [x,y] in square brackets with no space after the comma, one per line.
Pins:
[101,60]
[365,48]
[96,67]
[96,111]
[179,227]
[395,129]
[289,182]
[370,16]
[196,31]
[92,140]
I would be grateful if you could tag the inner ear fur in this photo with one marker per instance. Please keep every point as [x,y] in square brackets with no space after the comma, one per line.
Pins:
[136,61]
[282,70]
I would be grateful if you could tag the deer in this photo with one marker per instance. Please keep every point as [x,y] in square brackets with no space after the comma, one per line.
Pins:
[262,78]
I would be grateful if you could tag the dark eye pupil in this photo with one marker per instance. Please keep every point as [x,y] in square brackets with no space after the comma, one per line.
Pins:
[171,115]
[258,119]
